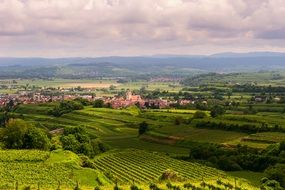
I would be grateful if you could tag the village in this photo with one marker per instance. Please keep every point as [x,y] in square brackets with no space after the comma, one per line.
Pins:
[116,102]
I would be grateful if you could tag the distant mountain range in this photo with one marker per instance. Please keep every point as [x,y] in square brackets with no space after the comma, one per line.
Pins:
[250,54]
[145,65]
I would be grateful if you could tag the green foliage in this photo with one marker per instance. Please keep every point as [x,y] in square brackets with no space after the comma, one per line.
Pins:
[277,173]
[27,188]
[32,167]
[116,187]
[143,128]
[4,117]
[65,107]
[76,139]
[217,110]
[134,187]
[98,103]
[86,162]
[83,101]
[170,175]
[70,142]
[282,146]
[36,138]
[267,184]
[19,134]
[199,115]
[236,159]
[154,187]
[247,128]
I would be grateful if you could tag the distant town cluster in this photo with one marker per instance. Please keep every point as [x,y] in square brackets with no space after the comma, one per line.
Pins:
[116,102]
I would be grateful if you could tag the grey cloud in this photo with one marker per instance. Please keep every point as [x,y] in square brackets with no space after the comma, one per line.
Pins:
[102,25]
[272,34]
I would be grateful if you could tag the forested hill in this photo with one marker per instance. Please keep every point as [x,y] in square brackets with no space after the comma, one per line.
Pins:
[133,66]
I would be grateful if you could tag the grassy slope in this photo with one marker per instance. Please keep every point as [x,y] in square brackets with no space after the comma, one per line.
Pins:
[253,177]
[141,166]
[119,127]
[47,169]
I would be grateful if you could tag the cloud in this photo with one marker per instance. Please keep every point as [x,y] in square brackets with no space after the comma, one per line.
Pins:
[98,27]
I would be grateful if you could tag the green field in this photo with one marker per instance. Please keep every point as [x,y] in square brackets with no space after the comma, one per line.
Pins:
[119,127]
[143,159]
[144,167]
[253,177]
[51,170]
[47,170]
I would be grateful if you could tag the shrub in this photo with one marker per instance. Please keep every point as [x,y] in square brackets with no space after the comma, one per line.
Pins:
[199,115]
[170,175]
[153,187]
[277,173]
[134,187]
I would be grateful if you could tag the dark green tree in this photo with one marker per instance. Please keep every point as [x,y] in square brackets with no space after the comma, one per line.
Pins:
[217,110]
[98,104]
[143,128]
[18,134]
[199,115]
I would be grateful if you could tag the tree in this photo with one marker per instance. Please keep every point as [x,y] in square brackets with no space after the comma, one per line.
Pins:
[178,120]
[65,107]
[18,134]
[69,142]
[282,146]
[98,104]
[14,133]
[10,105]
[36,138]
[83,101]
[277,173]
[217,110]
[112,87]
[267,184]
[143,128]
[4,117]
[77,140]
[199,115]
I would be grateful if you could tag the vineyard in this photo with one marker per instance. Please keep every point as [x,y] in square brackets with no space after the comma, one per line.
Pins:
[50,170]
[45,169]
[141,166]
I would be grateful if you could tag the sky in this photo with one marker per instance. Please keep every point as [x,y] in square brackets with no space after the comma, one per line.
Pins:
[92,28]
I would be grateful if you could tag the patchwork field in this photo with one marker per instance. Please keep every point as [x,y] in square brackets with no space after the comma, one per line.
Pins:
[119,128]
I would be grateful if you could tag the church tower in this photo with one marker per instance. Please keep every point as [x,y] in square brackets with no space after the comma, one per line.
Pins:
[129,95]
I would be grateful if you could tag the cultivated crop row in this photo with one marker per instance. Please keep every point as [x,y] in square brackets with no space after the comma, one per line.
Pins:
[142,166]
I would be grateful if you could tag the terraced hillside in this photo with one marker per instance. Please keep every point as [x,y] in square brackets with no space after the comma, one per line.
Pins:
[142,166]
[48,170]
[119,128]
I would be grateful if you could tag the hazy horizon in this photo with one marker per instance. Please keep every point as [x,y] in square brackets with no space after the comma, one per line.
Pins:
[166,55]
